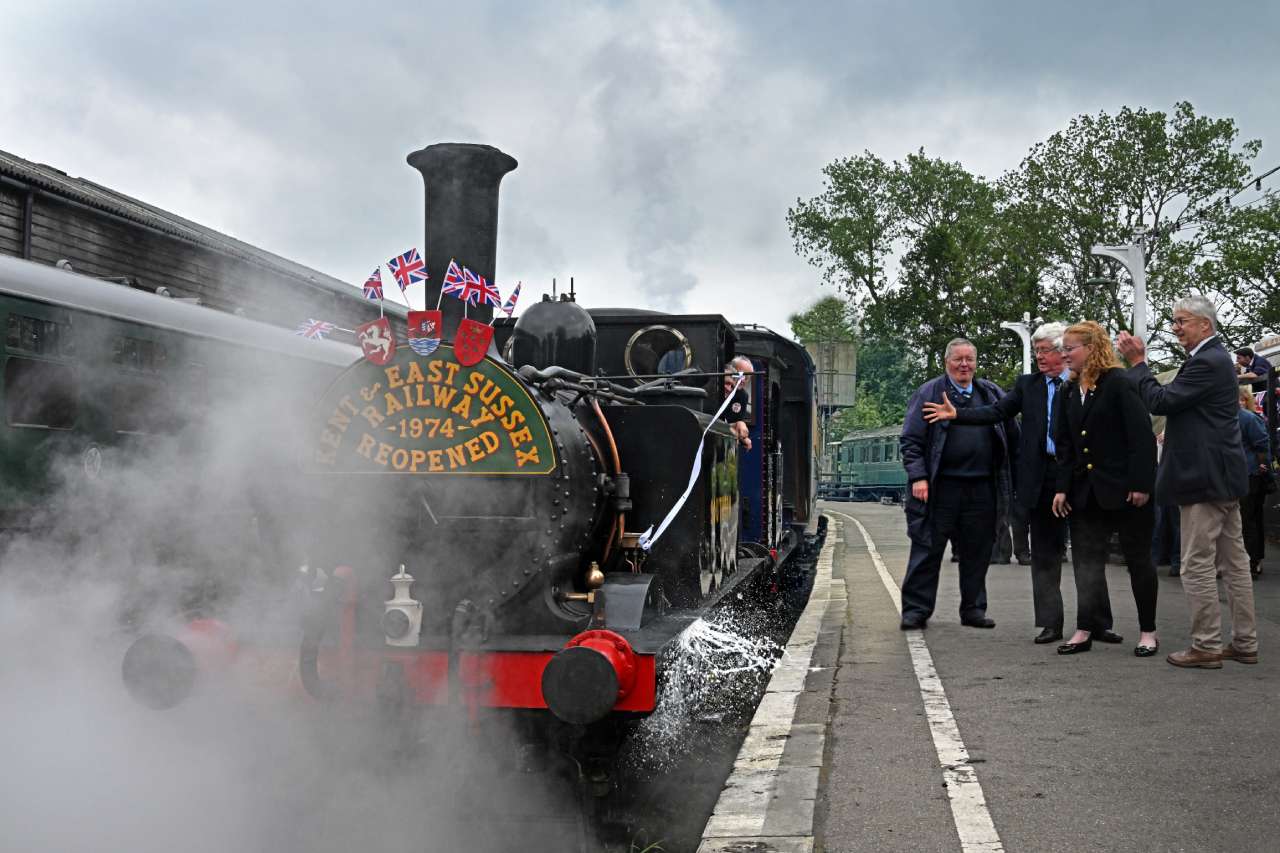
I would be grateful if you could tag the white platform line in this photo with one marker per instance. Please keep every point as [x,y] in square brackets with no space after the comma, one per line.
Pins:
[743,812]
[968,805]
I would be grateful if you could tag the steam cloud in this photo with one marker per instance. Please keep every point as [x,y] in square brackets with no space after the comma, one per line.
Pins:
[172,528]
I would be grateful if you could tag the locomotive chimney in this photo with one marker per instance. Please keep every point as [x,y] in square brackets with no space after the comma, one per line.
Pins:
[461,182]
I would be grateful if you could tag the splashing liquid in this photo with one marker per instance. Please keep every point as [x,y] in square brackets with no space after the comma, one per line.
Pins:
[712,673]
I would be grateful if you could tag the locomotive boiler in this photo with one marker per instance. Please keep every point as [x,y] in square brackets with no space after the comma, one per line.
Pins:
[489,531]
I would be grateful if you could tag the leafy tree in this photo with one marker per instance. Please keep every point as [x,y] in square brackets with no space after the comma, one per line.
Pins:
[1245,268]
[927,251]
[1165,178]
[829,319]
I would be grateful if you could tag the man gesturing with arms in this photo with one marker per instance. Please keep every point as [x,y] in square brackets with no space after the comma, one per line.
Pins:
[1203,472]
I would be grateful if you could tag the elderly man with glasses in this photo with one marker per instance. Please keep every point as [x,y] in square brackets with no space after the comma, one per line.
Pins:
[1202,470]
[959,479]
[1035,397]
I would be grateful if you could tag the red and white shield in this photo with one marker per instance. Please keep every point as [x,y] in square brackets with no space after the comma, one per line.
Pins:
[472,341]
[377,340]
[424,331]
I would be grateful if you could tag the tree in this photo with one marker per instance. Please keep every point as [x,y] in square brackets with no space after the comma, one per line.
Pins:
[1167,178]
[1245,268]
[829,319]
[956,277]
[927,251]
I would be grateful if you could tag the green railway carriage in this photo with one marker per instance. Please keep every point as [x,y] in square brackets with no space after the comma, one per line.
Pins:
[868,467]
[94,373]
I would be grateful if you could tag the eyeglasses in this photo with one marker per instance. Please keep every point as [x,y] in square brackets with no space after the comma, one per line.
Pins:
[1179,322]
[1072,349]
[1045,350]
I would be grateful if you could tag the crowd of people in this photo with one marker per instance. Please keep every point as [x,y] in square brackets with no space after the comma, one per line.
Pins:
[1088,448]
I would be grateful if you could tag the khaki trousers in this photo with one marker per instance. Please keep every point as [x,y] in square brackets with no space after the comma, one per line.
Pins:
[1212,542]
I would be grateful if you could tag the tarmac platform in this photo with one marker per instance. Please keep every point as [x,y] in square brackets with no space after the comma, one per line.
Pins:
[955,738]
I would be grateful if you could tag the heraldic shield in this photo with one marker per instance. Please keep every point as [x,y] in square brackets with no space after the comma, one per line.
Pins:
[377,340]
[424,331]
[472,341]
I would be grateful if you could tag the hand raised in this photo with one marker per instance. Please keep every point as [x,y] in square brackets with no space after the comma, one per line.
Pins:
[1133,349]
[943,411]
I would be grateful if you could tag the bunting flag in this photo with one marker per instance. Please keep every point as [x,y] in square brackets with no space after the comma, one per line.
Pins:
[373,287]
[475,290]
[509,307]
[408,269]
[315,329]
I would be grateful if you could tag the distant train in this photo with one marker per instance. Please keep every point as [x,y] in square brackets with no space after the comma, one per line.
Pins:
[868,467]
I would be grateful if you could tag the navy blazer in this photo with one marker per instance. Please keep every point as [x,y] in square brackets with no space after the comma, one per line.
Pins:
[1203,460]
[1105,445]
[922,444]
[1030,398]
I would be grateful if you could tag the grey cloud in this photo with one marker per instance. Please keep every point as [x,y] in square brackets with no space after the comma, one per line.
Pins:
[658,142]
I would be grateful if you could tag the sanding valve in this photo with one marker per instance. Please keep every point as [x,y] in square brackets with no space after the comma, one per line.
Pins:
[402,621]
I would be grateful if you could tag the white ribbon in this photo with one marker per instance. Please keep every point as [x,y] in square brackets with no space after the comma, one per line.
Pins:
[650,536]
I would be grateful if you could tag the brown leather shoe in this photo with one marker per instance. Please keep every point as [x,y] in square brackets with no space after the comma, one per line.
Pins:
[1196,658]
[1231,653]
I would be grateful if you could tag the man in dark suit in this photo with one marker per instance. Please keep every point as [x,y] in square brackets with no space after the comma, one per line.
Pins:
[959,475]
[1035,397]
[1202,470]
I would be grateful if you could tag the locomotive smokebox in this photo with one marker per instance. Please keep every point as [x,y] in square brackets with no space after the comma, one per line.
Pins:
[461,182]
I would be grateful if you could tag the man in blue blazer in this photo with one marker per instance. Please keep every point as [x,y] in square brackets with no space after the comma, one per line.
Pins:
[1202,470]
[959,478]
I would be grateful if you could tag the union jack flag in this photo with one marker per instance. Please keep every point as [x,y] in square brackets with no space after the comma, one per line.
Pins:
[453,281]
[408,269]
[509,306]
[475,289]
[316,329]
[373,287]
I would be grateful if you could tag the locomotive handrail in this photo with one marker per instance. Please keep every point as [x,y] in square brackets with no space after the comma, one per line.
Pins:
[556,378]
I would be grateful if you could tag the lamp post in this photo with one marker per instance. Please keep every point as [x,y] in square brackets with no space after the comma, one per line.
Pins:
[1134,258]
[1023,330]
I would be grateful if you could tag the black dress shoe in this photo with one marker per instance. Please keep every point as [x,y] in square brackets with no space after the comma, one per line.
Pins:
[1048,635]
[979,622]
[1075,648]
[1107,636]
[913,623]
[1141,651]
[1024,560]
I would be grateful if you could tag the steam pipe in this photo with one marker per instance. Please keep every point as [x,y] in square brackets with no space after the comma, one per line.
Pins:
[461,183]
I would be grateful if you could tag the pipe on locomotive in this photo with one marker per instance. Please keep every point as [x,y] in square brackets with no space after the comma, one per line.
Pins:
[461,182]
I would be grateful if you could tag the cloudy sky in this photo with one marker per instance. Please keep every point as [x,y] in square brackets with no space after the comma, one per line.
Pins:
[660,143]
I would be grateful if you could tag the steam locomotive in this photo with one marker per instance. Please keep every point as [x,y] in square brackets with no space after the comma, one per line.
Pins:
[483,535]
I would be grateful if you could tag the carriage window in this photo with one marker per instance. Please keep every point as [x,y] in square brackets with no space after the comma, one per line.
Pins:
[658,349]
[139,354]
[875,453]
[32,334]
[39,394]
[142,407]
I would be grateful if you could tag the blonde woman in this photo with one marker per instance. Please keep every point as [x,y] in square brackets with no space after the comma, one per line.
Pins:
[1106,472]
